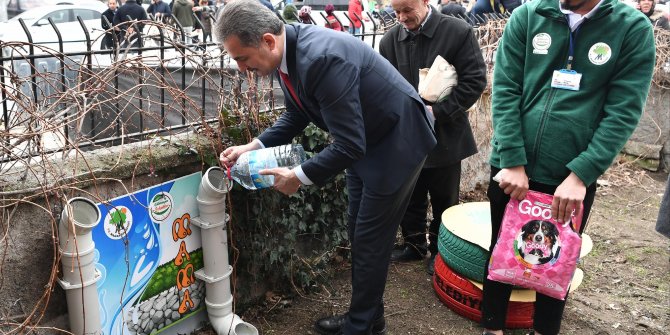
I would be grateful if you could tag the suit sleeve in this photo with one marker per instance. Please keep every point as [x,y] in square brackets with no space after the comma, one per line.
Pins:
[291,123]
[337,93]
[471,70]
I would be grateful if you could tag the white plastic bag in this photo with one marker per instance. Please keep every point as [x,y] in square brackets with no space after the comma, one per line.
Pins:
[436,83]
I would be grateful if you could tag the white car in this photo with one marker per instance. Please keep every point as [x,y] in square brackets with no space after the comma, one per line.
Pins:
[64,18]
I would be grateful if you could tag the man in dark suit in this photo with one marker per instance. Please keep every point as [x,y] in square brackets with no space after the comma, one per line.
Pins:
[108,40]
[380,128]
[130,11]
[422,35]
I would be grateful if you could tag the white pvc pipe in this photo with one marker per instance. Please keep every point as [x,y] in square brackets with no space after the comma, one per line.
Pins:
[77,249]
[217,288]
[214,185]
[225,322]
[215,238]
[212,211]
[79,216]
[217,270]
[83,306]
[78,268]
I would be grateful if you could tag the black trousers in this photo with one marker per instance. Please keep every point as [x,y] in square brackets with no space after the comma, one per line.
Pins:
[443,185]
[548,311]
[373,223]
[107,41]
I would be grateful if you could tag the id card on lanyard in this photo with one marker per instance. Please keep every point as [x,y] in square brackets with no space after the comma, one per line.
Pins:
[568,79]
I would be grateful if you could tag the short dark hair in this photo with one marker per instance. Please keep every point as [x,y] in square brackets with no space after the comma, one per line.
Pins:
[248,20]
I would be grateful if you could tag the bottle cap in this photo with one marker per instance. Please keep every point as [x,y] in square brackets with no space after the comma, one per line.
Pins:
[228,172]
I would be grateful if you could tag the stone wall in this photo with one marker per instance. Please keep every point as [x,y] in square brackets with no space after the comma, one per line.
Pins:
[650,142]
[31,200]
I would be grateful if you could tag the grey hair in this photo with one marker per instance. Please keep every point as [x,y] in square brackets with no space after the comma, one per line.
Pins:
[248,20]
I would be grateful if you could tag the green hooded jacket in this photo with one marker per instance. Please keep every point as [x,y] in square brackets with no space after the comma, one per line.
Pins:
[555,131]
[290,13]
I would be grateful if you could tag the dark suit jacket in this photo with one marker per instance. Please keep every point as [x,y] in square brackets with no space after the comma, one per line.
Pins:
[132,9]
[377,120]
[454,40]
[109,14]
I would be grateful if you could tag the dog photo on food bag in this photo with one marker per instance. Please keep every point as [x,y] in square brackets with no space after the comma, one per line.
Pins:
[538,242]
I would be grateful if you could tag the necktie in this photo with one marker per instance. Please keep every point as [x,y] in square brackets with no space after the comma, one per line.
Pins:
[287,83]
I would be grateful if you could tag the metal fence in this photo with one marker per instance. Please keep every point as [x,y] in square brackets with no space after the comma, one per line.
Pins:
[68,94]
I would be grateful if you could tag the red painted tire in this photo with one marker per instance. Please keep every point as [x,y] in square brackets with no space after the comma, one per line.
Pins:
[464,298]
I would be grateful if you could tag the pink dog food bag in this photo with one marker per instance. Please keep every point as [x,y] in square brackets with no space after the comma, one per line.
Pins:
[535,251]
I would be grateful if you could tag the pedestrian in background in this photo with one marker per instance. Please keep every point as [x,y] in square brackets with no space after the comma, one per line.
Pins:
[125,20]
[106,20]
[453,8]
[657,17]
[160,10]
[380,130]
[569,85]
[355,13]
[183,12]
[331,20]
[290,13]
[422,35]
[204,12]
[304,15]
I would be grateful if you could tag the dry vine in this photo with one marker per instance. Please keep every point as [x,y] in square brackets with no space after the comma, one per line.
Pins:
[60,107]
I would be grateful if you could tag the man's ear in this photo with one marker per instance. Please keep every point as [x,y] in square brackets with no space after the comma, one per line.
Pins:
[270,40]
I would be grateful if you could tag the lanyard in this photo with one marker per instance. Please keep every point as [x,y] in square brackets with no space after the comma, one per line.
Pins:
[571,47]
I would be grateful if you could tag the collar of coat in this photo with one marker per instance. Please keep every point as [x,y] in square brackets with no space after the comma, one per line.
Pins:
[429,28]
[551,8]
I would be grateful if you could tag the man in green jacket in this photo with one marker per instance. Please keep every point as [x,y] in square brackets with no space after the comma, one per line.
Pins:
[183,11]
[569,85]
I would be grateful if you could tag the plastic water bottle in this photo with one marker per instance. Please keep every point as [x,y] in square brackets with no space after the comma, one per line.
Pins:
[245,170]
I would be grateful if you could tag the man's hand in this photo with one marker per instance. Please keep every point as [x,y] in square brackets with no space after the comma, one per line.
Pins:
[514,182]
[285,179]
[229,156]
[568,197]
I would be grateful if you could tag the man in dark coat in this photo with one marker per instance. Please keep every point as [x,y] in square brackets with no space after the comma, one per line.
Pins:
[160,10]
[108,40]
[380,128]
[422,35]
[453,8]
[130,11]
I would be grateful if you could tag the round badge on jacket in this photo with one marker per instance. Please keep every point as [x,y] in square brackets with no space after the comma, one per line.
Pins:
[600,53]
[541,43]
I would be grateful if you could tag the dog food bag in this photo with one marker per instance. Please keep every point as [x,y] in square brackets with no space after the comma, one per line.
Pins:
[534,250]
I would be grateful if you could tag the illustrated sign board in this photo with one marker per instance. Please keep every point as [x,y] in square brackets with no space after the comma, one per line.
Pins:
[147,252]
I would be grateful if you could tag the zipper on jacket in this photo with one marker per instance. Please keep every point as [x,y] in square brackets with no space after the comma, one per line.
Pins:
[545,113]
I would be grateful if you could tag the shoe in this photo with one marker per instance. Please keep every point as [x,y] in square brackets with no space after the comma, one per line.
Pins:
[333,325]
[430,268]
[408,254]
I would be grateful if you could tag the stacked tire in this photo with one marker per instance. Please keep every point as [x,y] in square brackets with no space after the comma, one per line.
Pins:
[463,242]
[459,268]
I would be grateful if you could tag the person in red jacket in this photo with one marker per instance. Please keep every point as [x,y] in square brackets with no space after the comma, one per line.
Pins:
[355,12]
[331,20]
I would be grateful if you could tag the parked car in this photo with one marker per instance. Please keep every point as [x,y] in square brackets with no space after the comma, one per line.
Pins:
[65,19]
[16,7]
